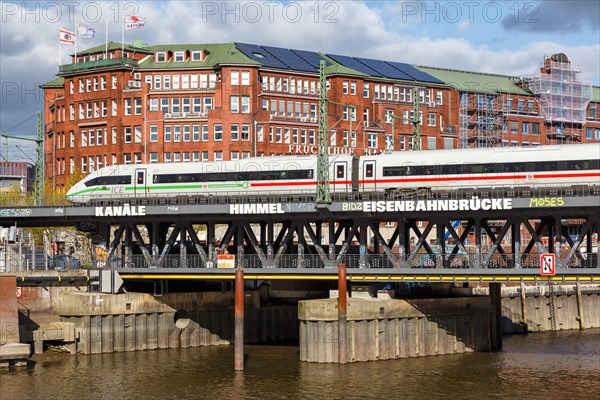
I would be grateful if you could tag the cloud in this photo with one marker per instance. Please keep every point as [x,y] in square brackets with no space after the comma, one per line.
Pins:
[353,28]
[554,16]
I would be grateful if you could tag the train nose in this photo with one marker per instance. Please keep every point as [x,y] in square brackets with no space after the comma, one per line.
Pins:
[72,193]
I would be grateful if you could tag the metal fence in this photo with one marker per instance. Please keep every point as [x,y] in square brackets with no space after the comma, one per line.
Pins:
[376,261]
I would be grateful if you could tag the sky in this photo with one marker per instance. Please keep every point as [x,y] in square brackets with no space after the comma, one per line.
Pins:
[504,37]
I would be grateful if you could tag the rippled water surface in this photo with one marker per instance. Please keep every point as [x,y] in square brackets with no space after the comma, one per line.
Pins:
[563,365]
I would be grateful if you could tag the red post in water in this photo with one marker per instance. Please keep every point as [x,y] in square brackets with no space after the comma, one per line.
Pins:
[342,315]
[239,320]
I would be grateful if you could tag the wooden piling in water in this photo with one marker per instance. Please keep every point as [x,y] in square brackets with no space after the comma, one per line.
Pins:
[239,320]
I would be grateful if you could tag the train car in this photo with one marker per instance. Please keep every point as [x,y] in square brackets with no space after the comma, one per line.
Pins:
[249,176]
[550,166]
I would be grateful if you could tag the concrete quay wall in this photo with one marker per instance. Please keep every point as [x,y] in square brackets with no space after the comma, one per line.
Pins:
[390,329]
[106,323]
[539,309]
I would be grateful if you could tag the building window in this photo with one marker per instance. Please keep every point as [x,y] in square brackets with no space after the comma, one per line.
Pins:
[153,133]
[235,77]
[521,106]
[245,104]
[167,157]
[218,132]
[345,87]
[179,56]
[530,106]
[234,104]
[372,140]
[84,139]
[514,127]
[205,133]
[207,104]
[260,133]
[138,134]
[525,128]
[127,106]
[245,78]
[196,55]
[95,80]
[431,119]
[245,132]
[509,102]
[589,133]
[153,158]
[154,104]
[138,106]
[196,133]
[218,155]
[593,112]
[176,133]
[161,57]
[235,132]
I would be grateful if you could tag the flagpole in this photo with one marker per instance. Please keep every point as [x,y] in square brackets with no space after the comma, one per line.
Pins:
[59,54]
[122,38]
[76,37]
[106,45]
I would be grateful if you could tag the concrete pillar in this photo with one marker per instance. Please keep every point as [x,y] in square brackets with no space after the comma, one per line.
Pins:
[342,315]
[495,316]
[239,320]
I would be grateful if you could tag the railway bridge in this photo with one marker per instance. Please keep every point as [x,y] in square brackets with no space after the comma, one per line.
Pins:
[462,235]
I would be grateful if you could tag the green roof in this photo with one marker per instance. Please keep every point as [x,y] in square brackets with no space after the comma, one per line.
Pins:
[476,81]
[596,94]
[216,54]
[113,46]
[54,83]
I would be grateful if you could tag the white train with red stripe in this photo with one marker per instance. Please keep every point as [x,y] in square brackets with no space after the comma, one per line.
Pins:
[549,166]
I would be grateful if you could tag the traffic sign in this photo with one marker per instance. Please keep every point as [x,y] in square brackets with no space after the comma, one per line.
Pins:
[547,264]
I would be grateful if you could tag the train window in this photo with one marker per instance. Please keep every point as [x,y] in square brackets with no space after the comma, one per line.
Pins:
[489,168]
[546,166]
[140,177]
[109,180]
[369,170]
[580,165]
[340,171]
[451,169]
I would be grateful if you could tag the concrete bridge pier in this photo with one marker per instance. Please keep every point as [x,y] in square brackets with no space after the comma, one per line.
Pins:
[495,316]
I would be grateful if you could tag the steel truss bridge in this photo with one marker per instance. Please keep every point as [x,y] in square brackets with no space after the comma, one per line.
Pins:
[462,235]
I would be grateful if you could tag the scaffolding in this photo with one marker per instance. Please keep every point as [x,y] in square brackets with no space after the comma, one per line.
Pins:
[563,99]
[481,120]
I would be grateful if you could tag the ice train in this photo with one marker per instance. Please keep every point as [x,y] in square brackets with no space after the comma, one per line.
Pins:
[549,166]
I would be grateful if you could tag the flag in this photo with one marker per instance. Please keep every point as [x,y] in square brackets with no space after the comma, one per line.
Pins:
[85,32]
[133,22]
[67,36]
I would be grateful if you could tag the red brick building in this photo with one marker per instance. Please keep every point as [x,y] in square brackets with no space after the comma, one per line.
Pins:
[182,103]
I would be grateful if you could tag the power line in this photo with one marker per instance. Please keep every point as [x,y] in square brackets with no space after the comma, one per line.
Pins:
[21,123]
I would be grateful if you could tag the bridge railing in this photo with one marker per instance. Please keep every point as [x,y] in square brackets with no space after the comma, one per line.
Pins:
[374,261]
[492,191]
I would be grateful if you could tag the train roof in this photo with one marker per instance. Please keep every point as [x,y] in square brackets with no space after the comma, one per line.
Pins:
[496,154]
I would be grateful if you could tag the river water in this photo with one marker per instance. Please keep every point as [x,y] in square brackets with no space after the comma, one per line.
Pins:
[557,365]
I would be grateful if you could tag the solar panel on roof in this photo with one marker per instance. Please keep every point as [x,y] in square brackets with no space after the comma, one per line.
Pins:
[355,65]
[415,73]
[289,58]
[260,55]
[384,69]
[311,57]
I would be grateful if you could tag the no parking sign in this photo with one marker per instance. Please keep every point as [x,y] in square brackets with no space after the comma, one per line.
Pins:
[547,264]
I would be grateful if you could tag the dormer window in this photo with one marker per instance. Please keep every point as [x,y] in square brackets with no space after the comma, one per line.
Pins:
[179,56]
[161,57]
[197,55]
